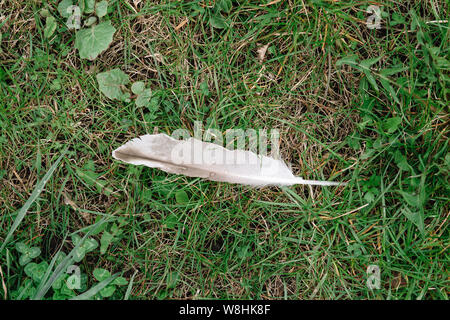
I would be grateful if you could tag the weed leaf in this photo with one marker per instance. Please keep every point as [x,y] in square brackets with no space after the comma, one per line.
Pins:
[93,41]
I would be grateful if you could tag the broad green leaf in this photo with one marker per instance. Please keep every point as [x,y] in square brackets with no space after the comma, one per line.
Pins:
[75,239]
[218,22]
[143,99]
[170,221]
[50,27]
[26,290]
[391,71]
[24,259]
[110,83]
[120,281]
[79,254]
[224,5]
[59,281]
[349,60]
[63,8]
[138,87]
[101,9]
[93,41]
[60,257]
[386,85]
[44,13]
[90,244]
[415,217]
[36,271]
[101,274]
[34,252]
[401,161]
[91,178]
[105,241]
[89,6]
[22,247]
[90,21]
[204,88]
[391,125]
[65,290]
[244,252]
[86,246]
[172,279]
[55,85]
[95,289]
[82,5]
[411,199]
[107,291]
[371,79]
[181,197]
[370,62]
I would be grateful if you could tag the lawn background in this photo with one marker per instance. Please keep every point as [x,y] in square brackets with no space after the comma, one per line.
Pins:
[368,106]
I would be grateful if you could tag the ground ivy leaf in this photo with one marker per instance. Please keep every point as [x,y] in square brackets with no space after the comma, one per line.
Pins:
[93,41]
[110,82]
[138,87]
[143,99]
[101,9]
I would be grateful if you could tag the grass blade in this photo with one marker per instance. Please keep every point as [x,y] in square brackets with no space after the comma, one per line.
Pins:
[34,195]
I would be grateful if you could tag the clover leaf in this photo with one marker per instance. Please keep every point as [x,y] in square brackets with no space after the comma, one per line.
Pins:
[25,291]
[103,274]
[28,253]
[86,246]
[36,271]
[93,41]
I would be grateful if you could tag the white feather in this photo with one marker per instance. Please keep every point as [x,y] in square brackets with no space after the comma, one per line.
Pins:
[195,158]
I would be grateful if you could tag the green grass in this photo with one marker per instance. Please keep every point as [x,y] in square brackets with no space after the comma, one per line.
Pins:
[381,126]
